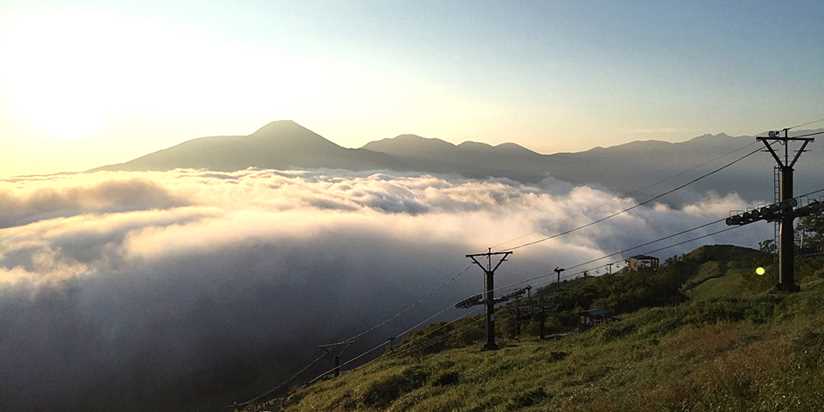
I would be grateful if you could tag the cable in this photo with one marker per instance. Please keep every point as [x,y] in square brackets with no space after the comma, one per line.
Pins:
[807,123]
[572,276]
[281,385]
[404,348]
[656,184]
[352,339]
[411,346]
[637,190]
[360,355]
[576,229]
[647,243]
[401,347]
[811,193]
[681,173]
[637,205]
[403,310]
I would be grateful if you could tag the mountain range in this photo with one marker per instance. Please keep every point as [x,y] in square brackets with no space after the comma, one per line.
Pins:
[623,168]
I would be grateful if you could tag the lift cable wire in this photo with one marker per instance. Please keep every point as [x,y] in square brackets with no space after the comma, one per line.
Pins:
[637,205]
[546,275]
[352,339]
[403,310]
[635,247]
[672,177]
[281,385]
[809,193]
[509,286]
[807,123]
[640,189]
[621,252]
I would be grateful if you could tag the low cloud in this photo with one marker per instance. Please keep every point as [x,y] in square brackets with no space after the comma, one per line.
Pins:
[161,288]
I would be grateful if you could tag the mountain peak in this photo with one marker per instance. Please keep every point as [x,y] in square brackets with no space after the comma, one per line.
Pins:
[476,146]
[413,138]
[281,126]
[513,148]
[410,144]
[289,133]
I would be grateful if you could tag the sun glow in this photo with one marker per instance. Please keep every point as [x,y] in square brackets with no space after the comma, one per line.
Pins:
[69,75]
[56,81]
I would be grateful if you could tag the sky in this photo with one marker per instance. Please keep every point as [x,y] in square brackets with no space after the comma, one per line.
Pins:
[89,83]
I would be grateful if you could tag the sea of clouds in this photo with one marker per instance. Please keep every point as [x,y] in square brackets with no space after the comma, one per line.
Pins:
[156,288]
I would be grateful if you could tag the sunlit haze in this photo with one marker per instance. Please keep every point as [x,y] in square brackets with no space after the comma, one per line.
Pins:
[89,83]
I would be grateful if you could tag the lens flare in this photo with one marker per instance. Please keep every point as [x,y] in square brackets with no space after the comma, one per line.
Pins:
[760,271]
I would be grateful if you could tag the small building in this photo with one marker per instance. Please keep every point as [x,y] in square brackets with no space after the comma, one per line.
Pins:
[642,262]
[594,317]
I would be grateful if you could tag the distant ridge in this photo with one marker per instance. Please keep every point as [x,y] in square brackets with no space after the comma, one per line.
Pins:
[623,168]
[280,144]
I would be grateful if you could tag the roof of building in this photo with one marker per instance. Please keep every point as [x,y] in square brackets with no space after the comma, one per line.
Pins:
[597,312]
[643,257]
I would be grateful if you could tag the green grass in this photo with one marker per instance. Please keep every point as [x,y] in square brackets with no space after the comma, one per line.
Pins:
[732,346]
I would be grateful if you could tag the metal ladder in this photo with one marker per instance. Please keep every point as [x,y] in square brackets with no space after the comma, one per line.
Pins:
[776,199]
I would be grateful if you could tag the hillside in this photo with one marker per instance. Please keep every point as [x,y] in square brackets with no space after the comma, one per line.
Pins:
[622,168]
[677,344]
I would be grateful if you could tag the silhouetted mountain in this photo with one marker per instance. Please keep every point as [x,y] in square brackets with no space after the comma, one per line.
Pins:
[623,168]
[471,159]
[278,145]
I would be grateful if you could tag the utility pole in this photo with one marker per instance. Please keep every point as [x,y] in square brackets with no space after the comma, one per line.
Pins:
[558,273]
[784,211]
[489,271]
[786,251]
[541,317]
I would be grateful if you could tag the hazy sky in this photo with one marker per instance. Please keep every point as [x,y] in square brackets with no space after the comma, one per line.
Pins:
[89,83]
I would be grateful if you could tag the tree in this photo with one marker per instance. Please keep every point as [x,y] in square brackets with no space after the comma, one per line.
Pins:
[767,246]
[813,227]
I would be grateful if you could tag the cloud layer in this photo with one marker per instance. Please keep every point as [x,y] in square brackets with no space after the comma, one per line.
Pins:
[160,288]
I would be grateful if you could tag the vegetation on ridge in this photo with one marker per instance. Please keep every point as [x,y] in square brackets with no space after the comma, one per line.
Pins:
[703,333]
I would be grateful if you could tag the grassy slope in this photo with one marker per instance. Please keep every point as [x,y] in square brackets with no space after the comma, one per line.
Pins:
[730,346]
